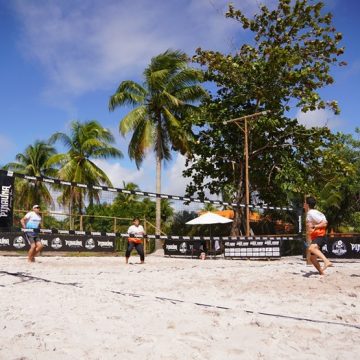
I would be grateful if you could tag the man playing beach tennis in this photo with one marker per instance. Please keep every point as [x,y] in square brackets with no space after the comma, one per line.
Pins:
[32,221]
[136,233]
[316,224]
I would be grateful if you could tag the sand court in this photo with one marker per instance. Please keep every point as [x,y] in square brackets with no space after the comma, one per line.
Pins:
[171,308]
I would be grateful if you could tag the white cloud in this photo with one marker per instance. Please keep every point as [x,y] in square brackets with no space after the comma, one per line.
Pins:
[318,118]
[117,173]
[89,45]
[85,46]
[173,180]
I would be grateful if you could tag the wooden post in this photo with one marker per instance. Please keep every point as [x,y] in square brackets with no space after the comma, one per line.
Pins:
[81,223]
[246,151]
[115,225]
[247,192]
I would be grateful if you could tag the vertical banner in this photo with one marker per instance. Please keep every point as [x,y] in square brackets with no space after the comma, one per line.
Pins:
[299,213]
[6,200]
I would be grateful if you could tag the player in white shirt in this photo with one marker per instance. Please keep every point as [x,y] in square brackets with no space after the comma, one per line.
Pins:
[31,221]
[316,225]
[136,233]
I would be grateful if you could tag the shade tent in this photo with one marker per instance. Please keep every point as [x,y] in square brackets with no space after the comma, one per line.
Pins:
[208,219]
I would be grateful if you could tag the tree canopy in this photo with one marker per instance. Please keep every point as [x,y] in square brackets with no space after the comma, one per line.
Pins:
[289,60]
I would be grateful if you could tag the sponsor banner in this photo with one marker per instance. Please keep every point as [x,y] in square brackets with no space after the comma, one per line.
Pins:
[264,246]
[269,248]
[6,200]
[342,247]
[183,248]
[58,242]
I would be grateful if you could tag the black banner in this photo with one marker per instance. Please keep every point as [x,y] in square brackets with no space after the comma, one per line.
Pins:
[345,247]
[58,242]
[264,246]
[6,200]
[183,248]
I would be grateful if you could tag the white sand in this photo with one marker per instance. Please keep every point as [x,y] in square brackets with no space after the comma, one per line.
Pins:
[44,316]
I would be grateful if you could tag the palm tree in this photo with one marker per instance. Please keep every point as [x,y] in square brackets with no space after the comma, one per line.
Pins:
[162,106]
[86,141]
[127,198]
[33,162]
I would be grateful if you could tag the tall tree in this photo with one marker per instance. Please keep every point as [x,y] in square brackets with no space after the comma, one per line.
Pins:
[33,162]
[162,105]
[86,141]
[293,49]
[337,186]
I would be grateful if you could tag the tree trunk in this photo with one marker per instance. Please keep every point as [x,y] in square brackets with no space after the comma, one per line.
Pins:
[238,224]
[158,242]
[71,208]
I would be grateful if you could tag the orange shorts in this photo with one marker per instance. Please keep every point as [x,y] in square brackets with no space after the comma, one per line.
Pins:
[135,240]
[317,233]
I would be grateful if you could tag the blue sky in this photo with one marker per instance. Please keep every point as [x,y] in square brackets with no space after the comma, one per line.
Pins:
[61,60]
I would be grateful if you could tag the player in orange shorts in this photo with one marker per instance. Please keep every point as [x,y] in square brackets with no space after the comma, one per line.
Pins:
[316,225]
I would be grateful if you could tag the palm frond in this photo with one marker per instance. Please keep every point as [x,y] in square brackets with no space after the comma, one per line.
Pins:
[57,159]
[171,100]
[106,152]
[132,119]
[141,140]
[59,136]
[185,78]
[177,135]
[128,93]
[194,93]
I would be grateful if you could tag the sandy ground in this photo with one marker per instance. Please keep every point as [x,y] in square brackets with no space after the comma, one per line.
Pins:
[99,308]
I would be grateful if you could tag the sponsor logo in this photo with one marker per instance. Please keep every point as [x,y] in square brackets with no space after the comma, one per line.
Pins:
[47,231]
[44,242]
[4,241]
[5,200]
[183,247]
[74,243]
[56,243]
[339,248]
[105,244]
[65,183]
[354,247]
[90,244]
[19,242]
[171,247]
